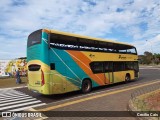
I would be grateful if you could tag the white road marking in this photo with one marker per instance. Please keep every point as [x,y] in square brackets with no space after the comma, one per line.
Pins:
[11,99]
[7,98]
[17,102]
[9,91]
[23,108]
[18,105]
[11,95]
[15,99]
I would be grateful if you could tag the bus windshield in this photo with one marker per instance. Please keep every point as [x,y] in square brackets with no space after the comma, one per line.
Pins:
[34,38]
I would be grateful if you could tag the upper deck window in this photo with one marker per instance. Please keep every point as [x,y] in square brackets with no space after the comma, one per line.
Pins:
[34,38]
[82,44]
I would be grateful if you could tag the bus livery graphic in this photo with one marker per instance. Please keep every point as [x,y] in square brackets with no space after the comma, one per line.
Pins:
[60,62]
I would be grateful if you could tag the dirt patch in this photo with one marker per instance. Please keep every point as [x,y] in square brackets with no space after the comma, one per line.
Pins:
[11,82]
[148,102]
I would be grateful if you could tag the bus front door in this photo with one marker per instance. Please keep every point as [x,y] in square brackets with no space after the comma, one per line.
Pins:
[109,78]
[108,68]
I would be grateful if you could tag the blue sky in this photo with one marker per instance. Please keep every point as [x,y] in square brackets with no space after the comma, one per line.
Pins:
[130,21]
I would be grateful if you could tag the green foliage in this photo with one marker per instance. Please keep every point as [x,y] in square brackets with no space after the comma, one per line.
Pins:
[157,58]
[149,58]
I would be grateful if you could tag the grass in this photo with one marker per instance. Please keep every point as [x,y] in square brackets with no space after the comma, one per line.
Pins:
[11,82]
[148,102]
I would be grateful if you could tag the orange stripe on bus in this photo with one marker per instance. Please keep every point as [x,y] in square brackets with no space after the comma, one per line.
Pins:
[99,78]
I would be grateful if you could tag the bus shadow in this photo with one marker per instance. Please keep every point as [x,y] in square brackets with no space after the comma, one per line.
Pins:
[141,78]
[58,97]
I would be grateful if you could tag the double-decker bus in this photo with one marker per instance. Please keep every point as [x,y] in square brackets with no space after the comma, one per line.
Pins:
[60,62]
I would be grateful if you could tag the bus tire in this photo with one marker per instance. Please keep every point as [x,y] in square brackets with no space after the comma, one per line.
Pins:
[86,86]
[127,78]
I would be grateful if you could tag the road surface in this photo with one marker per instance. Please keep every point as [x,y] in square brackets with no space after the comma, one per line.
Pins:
[109,102]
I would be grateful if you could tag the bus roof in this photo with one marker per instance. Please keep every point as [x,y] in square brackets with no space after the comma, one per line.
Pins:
[85,37]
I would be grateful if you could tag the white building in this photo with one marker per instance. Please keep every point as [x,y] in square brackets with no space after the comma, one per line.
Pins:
[9,67]
[3,64]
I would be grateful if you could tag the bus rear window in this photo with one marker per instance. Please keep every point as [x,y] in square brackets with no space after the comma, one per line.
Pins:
[34,38]
[34,67]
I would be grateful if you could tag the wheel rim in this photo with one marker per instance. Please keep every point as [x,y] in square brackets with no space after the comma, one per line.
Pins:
[86,86]
[127,78]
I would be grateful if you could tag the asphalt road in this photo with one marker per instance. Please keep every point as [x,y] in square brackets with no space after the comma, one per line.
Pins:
[146,74]
[76,101]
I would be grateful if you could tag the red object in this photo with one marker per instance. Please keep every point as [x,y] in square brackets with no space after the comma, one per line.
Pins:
[42,78]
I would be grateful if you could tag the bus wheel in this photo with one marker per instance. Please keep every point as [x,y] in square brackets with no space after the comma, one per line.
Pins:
[86,86]
[127,78]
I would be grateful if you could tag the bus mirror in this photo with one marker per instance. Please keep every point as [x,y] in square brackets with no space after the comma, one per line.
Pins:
[52,66]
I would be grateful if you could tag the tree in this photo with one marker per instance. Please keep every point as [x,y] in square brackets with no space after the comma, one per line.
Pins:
[148,57]
[157,58]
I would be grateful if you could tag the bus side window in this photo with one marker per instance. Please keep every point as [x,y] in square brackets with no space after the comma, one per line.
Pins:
[118,66]
[52,66]
[96,67]
[107,66]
